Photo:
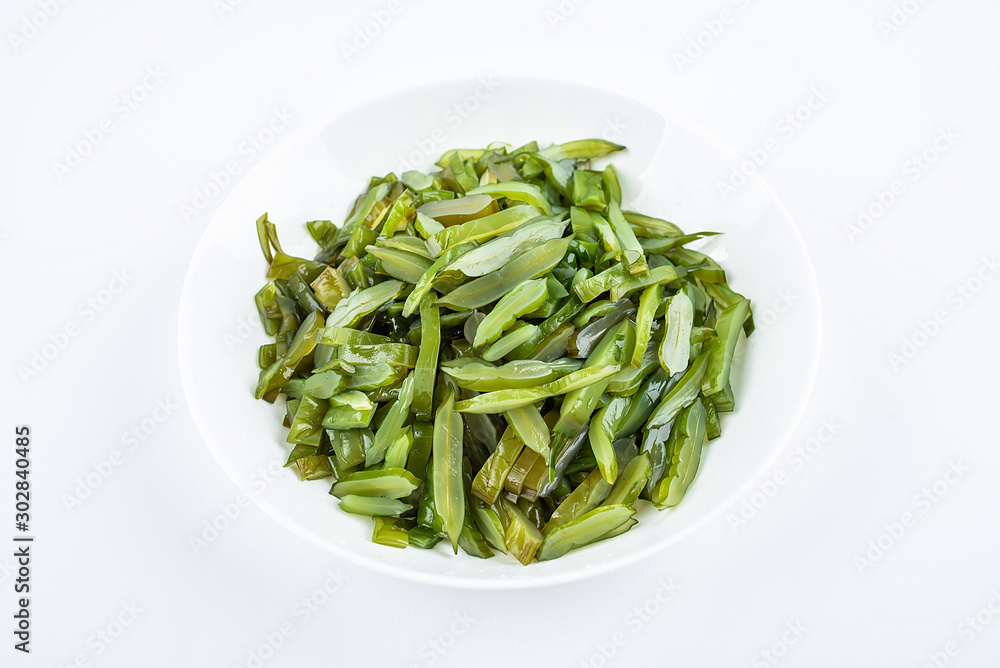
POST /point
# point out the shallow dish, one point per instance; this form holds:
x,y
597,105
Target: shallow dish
x,y
672,169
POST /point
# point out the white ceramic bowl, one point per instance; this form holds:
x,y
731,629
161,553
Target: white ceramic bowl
x,y
671,169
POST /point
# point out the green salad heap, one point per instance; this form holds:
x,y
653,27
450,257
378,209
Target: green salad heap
x,y
498,354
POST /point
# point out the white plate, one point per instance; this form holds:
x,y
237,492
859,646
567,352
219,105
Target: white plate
x,y
671,169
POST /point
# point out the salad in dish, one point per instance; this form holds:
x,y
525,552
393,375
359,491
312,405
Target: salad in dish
x,y
497,354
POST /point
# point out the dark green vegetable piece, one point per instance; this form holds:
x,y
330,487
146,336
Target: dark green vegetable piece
x,y
423,443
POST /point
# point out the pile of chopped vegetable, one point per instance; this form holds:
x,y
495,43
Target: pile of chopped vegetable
x,y
498,354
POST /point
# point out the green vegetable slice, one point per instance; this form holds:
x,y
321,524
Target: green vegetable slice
x,y
482,377
449,498
505,400
584,530
392,483
373,506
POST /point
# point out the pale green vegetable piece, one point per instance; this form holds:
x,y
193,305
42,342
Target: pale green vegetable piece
x,y
523,299
359,304
676,345
394,483
584,530
373,506
519,192
493,255
449,495
530,428
509,342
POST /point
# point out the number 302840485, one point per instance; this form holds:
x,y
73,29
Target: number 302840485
x,y
22,486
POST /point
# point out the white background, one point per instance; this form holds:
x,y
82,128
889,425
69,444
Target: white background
x,y
796,562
